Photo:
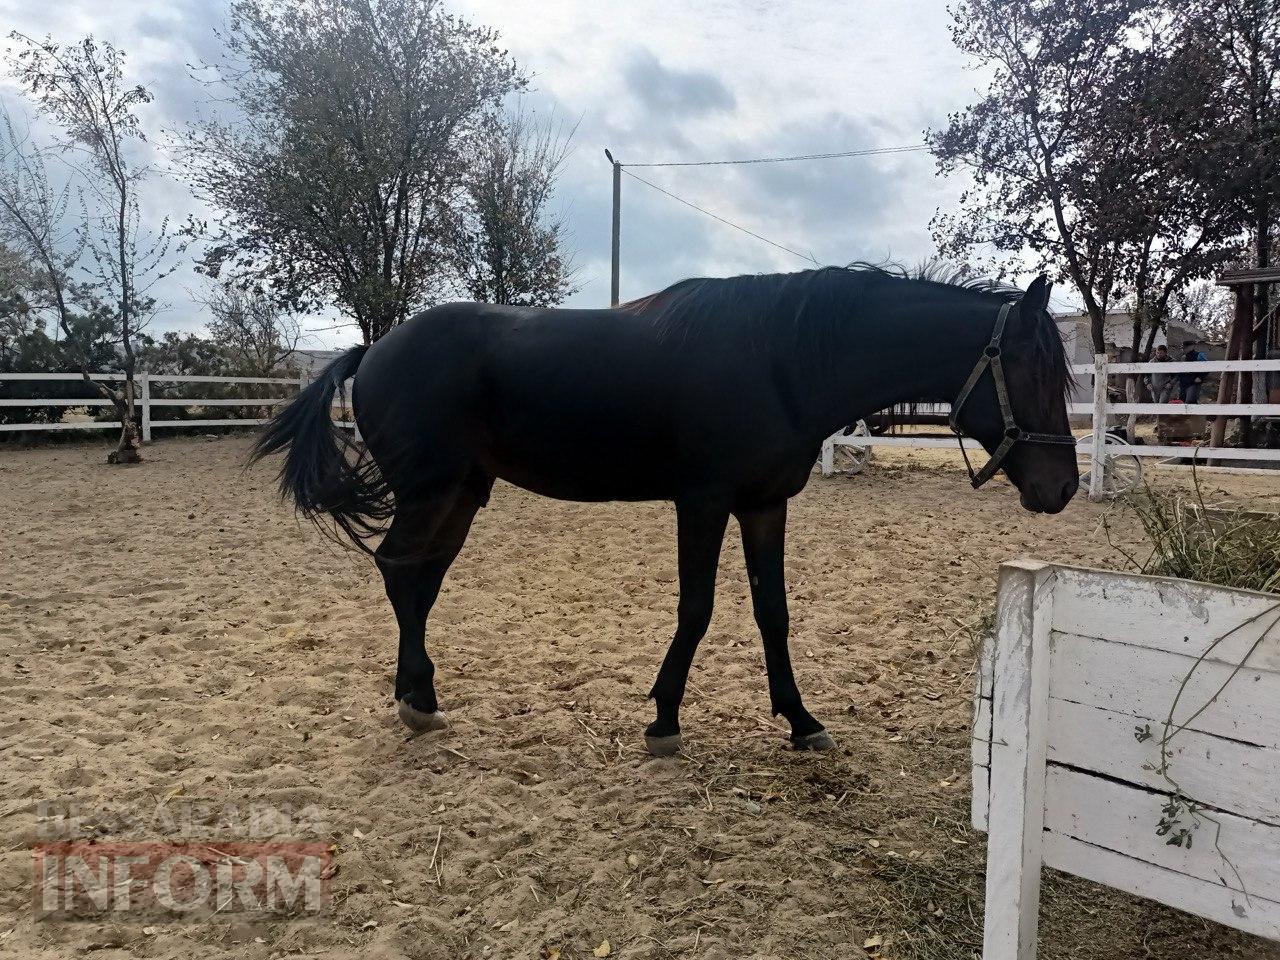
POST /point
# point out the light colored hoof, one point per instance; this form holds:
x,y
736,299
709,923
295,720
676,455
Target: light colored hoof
x,y
420,722
821,740
663,746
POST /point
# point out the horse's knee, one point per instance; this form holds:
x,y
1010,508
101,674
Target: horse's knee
x,y
693,618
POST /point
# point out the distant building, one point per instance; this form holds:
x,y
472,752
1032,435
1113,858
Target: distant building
x,y
1076,329
1117,333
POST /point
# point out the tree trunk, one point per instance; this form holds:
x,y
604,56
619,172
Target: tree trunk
x,y
129,448
1241,330
1097,328
1261,299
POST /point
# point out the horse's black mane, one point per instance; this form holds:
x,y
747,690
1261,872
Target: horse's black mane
x,y
773,304
942,273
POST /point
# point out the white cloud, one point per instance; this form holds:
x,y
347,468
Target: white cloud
x,y
657,80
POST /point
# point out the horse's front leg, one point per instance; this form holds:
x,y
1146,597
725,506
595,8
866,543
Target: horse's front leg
x,y
700,534
763,537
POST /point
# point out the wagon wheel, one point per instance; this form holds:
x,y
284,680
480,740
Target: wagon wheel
x,y
1124,469
852,459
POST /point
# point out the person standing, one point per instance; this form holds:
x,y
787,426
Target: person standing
x,y
1189,383
1162,384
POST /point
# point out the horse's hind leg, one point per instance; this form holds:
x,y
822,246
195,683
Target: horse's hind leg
x,y
701,532
414,556
763,533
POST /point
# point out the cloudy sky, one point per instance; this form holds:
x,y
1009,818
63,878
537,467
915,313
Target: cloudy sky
x,y
653,80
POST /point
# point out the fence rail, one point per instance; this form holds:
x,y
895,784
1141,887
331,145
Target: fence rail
x,y
1097,449
145,401
1101,409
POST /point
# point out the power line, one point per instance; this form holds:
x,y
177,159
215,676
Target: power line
x,y
875,152
715,216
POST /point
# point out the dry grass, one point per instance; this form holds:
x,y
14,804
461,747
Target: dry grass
x,y
1224,544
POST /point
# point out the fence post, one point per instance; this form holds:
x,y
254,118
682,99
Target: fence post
x,y
1098,449
1019,744
144,381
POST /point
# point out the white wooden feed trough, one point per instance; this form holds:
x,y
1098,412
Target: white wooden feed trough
x,y
1075,688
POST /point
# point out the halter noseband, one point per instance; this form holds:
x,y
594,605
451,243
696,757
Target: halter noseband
x,y
1012,432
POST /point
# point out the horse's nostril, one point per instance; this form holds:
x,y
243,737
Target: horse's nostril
x,y
1069,490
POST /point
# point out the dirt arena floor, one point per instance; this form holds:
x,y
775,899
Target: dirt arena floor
x,y
176,649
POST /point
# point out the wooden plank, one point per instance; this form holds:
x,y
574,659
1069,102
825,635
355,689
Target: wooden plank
x,y
980,799
985,668
1143,684
1019,711
1204,454
246,422
54,402
981,731
1188,366
1097,445
1202,468
980,742
1161,613
175,378
283,381
903,441
1151,451
1123,818
220,402
88,425
1212,901
1225,773
60,376
1200,409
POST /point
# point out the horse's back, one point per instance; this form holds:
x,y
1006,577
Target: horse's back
x,y
575,404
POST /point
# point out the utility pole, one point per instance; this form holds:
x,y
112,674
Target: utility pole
x,y
617,227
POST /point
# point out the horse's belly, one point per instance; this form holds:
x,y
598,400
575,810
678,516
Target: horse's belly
x,y
588,472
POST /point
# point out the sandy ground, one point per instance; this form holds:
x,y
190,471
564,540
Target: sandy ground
x,y
173,643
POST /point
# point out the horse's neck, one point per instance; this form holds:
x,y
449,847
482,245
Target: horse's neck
x,y
900,343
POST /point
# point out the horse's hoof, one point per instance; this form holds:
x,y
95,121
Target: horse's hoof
x,y
667,746
818,740
420,722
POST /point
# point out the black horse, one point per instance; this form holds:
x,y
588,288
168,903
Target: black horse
x,y
714,394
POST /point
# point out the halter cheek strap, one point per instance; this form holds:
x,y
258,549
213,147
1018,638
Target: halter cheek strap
x,y
991,358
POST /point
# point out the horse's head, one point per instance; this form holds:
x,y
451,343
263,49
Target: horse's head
x,y
1027,434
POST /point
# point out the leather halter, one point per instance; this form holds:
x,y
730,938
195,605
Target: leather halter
x,y
1012,432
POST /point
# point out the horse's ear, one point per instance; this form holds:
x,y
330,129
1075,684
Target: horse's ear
x,y
1036,298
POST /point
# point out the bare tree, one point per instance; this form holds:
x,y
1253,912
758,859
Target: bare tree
x,y
81,87
510,245
254,333
33,223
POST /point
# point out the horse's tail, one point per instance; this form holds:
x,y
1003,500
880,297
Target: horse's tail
x,y
325,470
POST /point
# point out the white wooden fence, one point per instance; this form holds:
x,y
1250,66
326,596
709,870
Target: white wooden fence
x,y
147,403
1114,711
1101,410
